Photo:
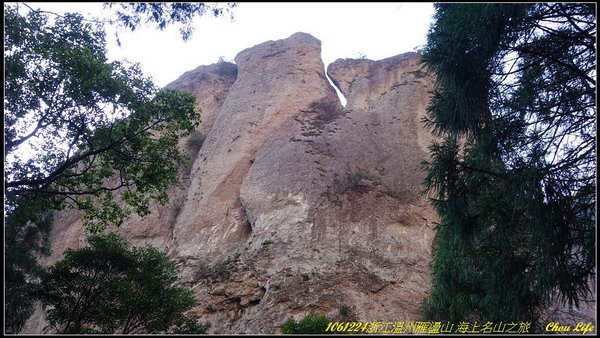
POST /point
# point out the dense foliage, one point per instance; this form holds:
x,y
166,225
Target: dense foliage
x,y
26,234
78,131
108,287
78,128
513,172
311,324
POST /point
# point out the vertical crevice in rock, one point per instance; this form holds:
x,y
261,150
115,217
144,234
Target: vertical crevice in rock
x,y
275,80
247,228
335,195
340,95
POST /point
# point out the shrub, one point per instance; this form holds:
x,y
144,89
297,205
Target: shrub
x,y
327,112
311,324
196,141
345,311
355,178
190,326
360,56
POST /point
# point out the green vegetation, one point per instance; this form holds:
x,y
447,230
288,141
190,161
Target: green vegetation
x,y
355,178
196,141
132,14
360,56
311,324
514,171
26,237
89,127
345,312
108,287
77,129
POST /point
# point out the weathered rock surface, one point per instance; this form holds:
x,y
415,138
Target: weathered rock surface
x,y
301,205
210,84
295,203
275,81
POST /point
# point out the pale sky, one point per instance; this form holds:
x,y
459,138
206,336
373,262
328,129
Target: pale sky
x,y
346,30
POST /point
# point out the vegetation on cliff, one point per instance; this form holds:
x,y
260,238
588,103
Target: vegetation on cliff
x,y
311,324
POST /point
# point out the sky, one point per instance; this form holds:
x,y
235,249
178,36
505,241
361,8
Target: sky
x,y
346,30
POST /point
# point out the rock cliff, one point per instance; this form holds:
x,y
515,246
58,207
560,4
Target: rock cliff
x,y
295,203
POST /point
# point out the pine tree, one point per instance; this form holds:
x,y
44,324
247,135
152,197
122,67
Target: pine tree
x,y
513,172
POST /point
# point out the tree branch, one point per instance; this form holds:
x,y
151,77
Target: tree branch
x,y
552,58
73,161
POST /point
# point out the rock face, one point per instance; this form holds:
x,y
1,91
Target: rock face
x,y
296,203
210,85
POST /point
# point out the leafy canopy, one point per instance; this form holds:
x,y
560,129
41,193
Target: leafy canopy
x,y
79,128
79,131
110,287
514,169
82,132
26,234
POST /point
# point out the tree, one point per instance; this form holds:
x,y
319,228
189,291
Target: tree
x,y
78,128
26,236
513,173
131,14
108,287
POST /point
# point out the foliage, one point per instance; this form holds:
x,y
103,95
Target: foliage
x,y
327,112
78,128
360,56
132,14
514,170
109,287
311,324
345,314
26,236
355,178
345,311
196,141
